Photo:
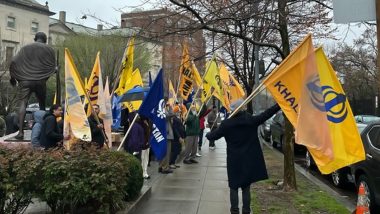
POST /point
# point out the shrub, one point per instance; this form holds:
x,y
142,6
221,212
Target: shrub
x,y
79,181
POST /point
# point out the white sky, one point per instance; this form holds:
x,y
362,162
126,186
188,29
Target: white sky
x,y
110,12
107,10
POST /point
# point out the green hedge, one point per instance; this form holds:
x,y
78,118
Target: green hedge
x,y
84,180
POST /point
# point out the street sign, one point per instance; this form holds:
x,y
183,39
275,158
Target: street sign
x,y
346,11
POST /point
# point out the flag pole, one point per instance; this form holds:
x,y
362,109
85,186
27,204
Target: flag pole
x,y
126,134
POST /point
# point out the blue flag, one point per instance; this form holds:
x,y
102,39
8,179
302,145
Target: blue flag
x,y
153,107
116,112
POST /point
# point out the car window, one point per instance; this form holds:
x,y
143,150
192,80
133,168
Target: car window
x,y
374,136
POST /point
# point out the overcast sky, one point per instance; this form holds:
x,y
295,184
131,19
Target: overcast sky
x,y
110,12
107,10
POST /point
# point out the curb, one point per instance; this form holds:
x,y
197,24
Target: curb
x,y
146,191
351,207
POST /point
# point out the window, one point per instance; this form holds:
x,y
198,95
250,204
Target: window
x,y
11,22
8,55
34,27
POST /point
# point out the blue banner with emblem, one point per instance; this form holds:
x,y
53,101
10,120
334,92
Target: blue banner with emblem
x,y
153,107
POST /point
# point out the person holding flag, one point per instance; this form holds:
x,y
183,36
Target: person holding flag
x,y
245,160
97,129
192,133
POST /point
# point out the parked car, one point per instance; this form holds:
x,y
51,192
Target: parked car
x,y
277,130
366,118
265,129
366,172
277,133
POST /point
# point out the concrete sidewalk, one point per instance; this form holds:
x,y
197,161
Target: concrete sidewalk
x,y
192,189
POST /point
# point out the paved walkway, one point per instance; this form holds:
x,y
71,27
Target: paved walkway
x,y
192,189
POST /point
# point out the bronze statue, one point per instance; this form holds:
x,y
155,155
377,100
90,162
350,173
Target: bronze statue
x,y
30,69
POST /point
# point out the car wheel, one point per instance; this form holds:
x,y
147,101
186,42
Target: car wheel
x,y
272,142
369,195
339,178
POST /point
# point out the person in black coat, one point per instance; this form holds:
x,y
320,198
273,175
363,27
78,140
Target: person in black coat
x,y
245,160
97,130
50,135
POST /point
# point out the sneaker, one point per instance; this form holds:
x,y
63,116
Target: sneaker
x,y
198,155
212,147
177,166
146,177
172,167
187,162
193,161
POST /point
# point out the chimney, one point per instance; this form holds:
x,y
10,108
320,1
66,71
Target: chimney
x,y
62,16
99,27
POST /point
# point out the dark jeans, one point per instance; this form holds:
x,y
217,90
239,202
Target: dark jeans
x,y
200,140
175,150
234,200
212,142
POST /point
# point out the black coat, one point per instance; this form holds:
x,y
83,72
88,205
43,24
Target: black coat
x,y
96,132
50,134
245,160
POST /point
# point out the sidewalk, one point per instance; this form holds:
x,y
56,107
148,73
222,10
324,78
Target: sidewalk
x,y
192,189
203,188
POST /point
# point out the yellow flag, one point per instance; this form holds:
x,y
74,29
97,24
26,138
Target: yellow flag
x,y
225,82
186,74
294,85
347,143
212,76
197,78
127,67
93,84
75,123
236,91
134,81
172,95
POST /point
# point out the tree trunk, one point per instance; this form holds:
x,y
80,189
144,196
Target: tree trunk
x,y
288,146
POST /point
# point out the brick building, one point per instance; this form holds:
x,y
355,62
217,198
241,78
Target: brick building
x,y
170,29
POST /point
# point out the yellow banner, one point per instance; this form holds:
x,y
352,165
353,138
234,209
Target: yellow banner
x,y
347,143
92,86
186,82
172,95
127,67
294,86
76,123
236,91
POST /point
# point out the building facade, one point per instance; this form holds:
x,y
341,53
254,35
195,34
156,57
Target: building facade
x,y
170,29
20,20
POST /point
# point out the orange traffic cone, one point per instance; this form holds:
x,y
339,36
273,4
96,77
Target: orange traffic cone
x,y
362,206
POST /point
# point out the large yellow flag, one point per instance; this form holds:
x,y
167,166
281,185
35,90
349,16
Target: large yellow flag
x,y
347,143
236,91
127,67
106,113
93,85
212,76
133,82
225,82
186,74
75,123
172,95
294,86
